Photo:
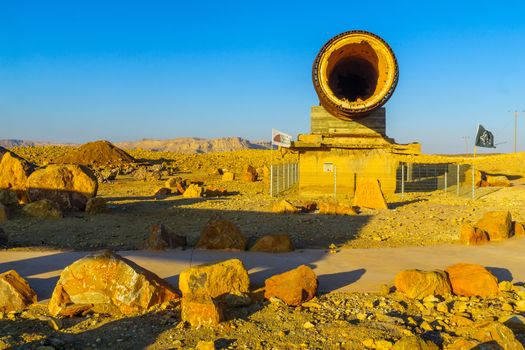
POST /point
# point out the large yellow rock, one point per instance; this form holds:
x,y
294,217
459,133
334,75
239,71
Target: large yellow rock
x,y
419,284
414,343
495,332
70,186
519,229
219,279
14,172
472,280
15,292
221,234
498,181
368,194
193,191
279,243
471,235
43,209
284,207
200,310
335,209
293,287
108,281
497,224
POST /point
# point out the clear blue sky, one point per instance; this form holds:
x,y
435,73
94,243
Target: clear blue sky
x,y
74,71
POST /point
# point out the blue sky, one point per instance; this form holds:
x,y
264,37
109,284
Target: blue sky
x,y
74,71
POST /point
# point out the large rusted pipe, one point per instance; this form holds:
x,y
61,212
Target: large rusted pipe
x,y
354,73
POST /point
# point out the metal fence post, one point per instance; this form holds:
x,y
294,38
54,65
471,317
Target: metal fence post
x,y
271,180
446,177
277,176
457,180
473,180
402,180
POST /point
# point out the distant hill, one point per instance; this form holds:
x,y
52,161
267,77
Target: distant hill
x,y
193,145
9,143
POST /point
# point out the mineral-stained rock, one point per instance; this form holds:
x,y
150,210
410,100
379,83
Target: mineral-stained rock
x,y
219,279
472,280
96,205
279,243
200,310
43,209
335,209
419,284
14,172
69,185
284,207
498,181
193,191
8,197
293,287
249,174
4,213
497,332
368,194
107,279
414,343
228,176
497,224
15,292
519,229
221,234
471,235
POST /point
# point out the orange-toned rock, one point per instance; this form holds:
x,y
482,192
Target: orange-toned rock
x,y
498,181
220,279
495,332
96,205
221,234
193,191
519,228
293,287
472,280
70,186
420,284
107,280
155,240
14,172
200,310
284,207
249,174
368,194
471,235
15,292
212,191
497,224
336,209
172,182
228,176
279,243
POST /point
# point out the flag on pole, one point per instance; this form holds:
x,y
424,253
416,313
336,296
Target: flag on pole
x,y
279,138
484,138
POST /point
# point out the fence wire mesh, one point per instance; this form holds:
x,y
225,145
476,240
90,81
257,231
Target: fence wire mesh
x,y
283,177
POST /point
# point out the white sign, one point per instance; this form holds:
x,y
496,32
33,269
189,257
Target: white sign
x,y
281,139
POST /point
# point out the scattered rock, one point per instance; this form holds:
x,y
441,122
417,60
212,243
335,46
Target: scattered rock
x,y
284,207
14,172
498,181
110,281
293,287
336,209
15,292
8,198
43,209
97,153
519,228
497,224
215,191
471,235
472,280
368,194
414,343
221,234
420,284
205,345
155,240
279,243
228,176
193,191
218,280
310,207
4,213
70,186
163,191
96,205
249,174
200,310
172,182
497,332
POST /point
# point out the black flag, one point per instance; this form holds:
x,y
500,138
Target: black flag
x,y
484,138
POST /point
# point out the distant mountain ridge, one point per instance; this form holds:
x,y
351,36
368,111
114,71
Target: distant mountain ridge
x,y
177,145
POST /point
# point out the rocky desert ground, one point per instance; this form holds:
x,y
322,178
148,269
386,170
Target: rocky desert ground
x,y
141,207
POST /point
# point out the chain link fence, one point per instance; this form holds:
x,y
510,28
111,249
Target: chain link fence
x,y
283,177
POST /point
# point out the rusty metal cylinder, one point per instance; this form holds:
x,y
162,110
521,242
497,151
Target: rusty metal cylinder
x,y
354,74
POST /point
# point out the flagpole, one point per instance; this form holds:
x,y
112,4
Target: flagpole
x,y
271,167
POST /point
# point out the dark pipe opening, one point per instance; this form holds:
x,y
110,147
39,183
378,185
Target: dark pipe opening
x,y
353,78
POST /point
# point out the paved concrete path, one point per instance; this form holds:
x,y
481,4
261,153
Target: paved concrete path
x,y
347,270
